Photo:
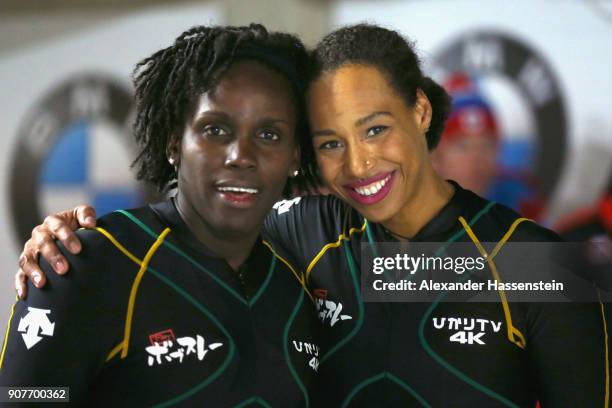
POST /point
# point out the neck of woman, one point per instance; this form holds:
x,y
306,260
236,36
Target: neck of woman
x,y
428,198
233,247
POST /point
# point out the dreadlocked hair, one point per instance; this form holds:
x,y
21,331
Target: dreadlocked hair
x,y
394,56
168,83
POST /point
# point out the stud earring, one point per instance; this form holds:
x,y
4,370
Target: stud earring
x,y
173,163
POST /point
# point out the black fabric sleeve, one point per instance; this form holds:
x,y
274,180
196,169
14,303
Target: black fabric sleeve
x,y
300,227
61,334
568,347
568,343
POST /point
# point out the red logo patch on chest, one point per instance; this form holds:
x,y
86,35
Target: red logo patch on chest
x,y
160,337
320,293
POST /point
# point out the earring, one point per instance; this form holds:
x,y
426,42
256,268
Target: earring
x,y
173,163
296,173
367,163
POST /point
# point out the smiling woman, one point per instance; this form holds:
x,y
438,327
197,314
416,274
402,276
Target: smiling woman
x,y
178,301
371,148
375,118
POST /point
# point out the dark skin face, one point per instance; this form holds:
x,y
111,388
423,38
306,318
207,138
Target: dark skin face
x,y
234,157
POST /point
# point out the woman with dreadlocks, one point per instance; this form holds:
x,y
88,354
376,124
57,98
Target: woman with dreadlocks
x,y
182,301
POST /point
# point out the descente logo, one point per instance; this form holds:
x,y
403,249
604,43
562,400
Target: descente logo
x,y
35,322
284,206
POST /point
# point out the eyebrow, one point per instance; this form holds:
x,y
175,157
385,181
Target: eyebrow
x,y
323,132
224,115
200,114
371,116
359,122
273,120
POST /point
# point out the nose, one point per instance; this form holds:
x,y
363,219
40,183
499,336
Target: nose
x,y
240,154
359,160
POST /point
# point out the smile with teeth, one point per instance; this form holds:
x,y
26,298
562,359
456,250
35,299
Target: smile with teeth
x,y
373,188
238,190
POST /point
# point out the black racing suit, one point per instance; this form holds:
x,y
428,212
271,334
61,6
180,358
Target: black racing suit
x,y
147,316
403,354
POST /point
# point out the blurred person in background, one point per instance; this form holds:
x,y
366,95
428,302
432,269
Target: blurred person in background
x,y
470,146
